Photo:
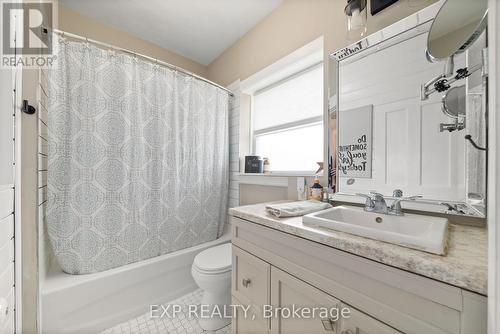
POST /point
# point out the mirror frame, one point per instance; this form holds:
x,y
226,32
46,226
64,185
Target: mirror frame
x,y
472,38
415,24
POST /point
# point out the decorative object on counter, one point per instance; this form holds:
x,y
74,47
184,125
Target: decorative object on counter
x,y
316,191
356,19
296,209
254,164
267,166
301,189
354,154
326,197
379,5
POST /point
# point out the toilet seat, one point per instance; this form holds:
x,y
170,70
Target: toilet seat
x,y
214,260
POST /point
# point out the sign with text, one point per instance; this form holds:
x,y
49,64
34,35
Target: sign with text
x,y
26,33
354,152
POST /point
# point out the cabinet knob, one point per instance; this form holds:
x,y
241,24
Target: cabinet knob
x,y
347,331
246,282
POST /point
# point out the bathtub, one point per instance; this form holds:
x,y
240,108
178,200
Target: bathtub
x,y
91,303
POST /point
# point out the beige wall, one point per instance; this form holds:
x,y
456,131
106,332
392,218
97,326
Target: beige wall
x,y
289,27
76,23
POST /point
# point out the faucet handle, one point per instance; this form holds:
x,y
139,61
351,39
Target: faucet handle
x,y
376,194
408,198
397,193
396,205
369,201
412,198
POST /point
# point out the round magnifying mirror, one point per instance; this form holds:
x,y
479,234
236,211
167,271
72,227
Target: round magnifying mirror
x,y
454,102
456,26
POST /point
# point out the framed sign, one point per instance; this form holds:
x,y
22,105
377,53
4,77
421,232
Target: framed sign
x,y
354,150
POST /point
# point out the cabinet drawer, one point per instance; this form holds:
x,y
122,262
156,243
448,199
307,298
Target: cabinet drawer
x,y
289,292
248,322
251,278
360,323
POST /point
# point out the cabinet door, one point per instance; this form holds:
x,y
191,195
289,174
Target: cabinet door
x,y
287,292
360,323
247,321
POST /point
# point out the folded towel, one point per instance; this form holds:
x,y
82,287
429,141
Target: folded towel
x,y
295,209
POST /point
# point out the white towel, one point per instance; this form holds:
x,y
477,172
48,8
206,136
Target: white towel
x,y
295,209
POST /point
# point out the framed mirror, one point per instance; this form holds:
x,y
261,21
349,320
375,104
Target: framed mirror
x,y
384,137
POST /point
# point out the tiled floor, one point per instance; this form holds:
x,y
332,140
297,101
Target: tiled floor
x,y
181,324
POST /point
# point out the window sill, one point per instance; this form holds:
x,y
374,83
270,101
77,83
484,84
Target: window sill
x,y
284,174
271,179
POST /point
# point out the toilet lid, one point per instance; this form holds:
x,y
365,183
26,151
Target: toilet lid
x,y
214,259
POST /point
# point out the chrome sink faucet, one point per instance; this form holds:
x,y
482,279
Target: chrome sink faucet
x,y
375,202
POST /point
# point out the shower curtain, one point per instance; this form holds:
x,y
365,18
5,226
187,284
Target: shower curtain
x,y
138,159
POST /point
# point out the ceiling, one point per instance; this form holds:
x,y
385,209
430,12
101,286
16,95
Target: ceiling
x,y
197,29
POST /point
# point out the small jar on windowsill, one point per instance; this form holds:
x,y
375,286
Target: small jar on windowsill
x,y
267,166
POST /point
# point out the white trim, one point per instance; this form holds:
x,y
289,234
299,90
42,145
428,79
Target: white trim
x,y
263,180
234,86
493,169
306,56
316,120
18,265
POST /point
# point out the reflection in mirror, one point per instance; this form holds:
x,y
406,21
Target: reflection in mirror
x,y
404,144
454,106
454,102
457,25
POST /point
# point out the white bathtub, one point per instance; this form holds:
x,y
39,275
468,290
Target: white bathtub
x,y
91,303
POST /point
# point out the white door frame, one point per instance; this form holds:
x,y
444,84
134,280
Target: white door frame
x,y
494,169
17,76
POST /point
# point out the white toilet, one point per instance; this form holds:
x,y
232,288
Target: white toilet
x,y
211,270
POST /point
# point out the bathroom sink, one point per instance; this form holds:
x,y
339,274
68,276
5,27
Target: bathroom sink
x,y
424,233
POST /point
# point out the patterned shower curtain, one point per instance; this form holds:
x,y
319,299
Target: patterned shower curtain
x,y
138,159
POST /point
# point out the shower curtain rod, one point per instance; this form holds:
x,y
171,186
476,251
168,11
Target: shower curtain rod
x,y
109,46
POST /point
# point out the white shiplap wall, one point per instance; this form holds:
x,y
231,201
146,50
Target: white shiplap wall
x,y
7,292
46,254
7,242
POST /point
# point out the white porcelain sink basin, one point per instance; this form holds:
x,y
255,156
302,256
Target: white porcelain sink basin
x,y
413,231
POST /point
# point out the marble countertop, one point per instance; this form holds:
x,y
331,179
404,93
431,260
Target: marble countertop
x,y
464,266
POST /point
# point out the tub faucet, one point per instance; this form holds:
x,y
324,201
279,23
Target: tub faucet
x,y
375,202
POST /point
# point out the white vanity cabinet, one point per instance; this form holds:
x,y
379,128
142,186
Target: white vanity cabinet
x,y
275,268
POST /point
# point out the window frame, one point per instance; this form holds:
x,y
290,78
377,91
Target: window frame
x,y
315,120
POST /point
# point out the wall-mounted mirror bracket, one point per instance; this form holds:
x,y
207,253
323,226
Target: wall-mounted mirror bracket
x,y
441,83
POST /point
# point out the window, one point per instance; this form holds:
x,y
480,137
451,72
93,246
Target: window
x,y
287,119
